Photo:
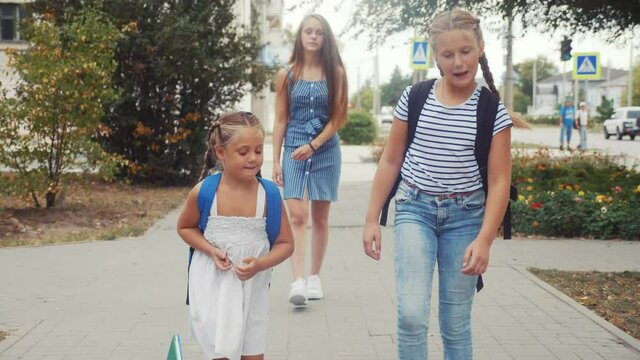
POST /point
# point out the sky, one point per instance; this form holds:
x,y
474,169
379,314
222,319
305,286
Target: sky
x,y
358,59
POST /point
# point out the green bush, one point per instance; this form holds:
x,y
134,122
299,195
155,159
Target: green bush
x,y
359,130
582,195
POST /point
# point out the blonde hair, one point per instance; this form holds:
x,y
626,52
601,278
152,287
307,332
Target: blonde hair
x,y
458,19
223,132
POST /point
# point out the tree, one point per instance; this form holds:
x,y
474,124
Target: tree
x,y
390,92
521,101
363,99
635,93
605,109
523,92
179,65
64,82
574,16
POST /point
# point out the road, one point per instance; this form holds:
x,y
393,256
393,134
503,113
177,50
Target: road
x,y
550,136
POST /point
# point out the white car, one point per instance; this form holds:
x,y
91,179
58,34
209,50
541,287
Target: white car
x,y
624,121
386,116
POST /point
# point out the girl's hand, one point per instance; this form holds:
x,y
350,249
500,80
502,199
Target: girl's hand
x,y
372,240
476,258
221,259
246,272
277,174
302,153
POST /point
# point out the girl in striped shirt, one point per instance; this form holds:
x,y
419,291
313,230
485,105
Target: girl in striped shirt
x,y
442,212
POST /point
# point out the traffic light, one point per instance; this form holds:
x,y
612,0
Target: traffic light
x,y
565,49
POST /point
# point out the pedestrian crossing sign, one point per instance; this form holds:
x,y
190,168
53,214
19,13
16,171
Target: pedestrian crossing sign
x,y
419,54
586,66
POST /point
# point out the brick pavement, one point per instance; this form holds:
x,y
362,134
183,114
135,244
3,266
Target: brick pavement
x,y
124,299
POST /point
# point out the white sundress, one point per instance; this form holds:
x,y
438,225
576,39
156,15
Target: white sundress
x,y
227,316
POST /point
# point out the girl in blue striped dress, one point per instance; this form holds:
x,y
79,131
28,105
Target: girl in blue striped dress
x,y
442,213
311,106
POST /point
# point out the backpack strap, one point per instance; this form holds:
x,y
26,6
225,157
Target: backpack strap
x,y
206,194
485,121
487,111
274,209
417,98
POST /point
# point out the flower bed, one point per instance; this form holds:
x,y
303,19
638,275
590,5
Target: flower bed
x,y
581,195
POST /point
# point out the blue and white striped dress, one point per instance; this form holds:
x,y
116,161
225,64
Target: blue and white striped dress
x,y
308,115
441,157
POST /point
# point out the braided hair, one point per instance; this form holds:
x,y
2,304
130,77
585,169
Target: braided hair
x,y
222,132
458,19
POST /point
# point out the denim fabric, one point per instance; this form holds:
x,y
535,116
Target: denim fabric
x,y
565,131
583,137
430,229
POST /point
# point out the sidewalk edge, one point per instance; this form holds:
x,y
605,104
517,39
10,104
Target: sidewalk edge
x,y
623,336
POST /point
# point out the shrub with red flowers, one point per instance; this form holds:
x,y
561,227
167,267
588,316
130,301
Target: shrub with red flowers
x,y
581,195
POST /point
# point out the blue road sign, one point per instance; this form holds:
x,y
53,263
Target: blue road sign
x,y
586,66
419,54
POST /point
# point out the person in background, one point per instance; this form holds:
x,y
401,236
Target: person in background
x,y
311,105
567,117
582,120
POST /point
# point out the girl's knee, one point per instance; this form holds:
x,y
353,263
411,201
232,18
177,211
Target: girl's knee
x,y
299,217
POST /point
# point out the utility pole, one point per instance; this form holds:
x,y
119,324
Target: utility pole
x,y
376,87
535,85
508,83
630,81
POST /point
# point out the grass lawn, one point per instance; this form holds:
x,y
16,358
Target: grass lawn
x,y
91,210
613,296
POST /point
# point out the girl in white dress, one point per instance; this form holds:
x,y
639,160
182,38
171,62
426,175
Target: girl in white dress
x,y
230,269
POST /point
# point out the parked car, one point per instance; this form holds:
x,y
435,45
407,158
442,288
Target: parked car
x,y
624,121
386,116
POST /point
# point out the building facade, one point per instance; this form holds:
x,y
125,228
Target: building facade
x,y
552,91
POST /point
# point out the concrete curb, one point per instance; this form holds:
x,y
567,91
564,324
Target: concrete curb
x,y
623,336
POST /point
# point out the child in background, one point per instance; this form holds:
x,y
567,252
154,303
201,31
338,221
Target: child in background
x,y
232,256
442,213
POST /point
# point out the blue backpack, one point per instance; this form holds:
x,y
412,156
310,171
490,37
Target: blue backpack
x,y
207,193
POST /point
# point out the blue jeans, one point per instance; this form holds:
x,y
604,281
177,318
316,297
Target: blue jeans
x,y
430,228
583,137
565,131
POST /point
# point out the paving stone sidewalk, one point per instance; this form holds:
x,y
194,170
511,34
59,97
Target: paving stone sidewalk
x,y
125,299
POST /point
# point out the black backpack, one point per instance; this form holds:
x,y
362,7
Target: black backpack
x,y
486,117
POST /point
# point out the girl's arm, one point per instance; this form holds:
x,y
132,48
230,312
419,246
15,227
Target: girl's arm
x,y
281,250
476,258
386,174
190,232
304,152
280,125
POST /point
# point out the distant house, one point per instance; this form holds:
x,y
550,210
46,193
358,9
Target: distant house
x,y
552,91
11,13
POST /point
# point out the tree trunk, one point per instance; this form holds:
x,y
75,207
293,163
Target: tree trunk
x,y
51,199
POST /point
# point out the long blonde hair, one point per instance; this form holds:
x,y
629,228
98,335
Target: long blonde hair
x,y
458,19
331,62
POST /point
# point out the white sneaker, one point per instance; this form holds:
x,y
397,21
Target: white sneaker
x,y
298,293
314,288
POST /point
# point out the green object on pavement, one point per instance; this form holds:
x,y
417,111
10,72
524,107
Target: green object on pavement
x,y
175,349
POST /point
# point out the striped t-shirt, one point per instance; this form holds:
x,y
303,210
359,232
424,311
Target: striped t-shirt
x,y
441,157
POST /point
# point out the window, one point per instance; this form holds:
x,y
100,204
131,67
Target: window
x,y
633,115
9,20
